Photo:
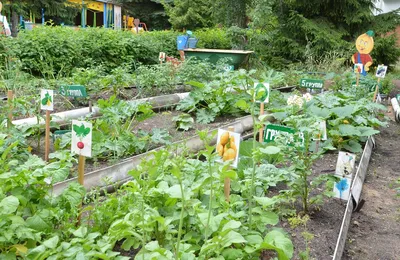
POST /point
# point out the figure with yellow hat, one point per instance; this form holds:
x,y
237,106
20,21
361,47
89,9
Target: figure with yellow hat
x,y
4,27
364,45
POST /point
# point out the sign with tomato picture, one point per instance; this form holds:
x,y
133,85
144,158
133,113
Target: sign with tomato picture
x,y
47,99
81,138
228,146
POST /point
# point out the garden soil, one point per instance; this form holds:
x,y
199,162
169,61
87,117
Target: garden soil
x,y
375,230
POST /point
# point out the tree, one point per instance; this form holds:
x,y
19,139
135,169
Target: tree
x,y
151,12
60,8
189,14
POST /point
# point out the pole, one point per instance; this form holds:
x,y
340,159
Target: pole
x,y
47,137
81,178
227,181
10,96
376,90
81,169
357,79
261,131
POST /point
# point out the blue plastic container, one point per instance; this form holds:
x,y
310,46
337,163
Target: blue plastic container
x,y
192,42
181,42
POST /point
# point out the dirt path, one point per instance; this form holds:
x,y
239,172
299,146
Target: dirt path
x,y
375,230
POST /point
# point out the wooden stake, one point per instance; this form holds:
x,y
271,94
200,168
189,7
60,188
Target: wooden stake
x,y
81,169
81,179
90,106
317,143
10,97
357,79
47,137
227,181
376,90
261,131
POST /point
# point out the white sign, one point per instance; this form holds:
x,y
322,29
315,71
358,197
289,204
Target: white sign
x,y
321,128
381,71
261,92
342,188
81,138
228,146
161,56
358,68
345,165
47,99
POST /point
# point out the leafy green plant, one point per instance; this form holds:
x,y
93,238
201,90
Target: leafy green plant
x,y
183,121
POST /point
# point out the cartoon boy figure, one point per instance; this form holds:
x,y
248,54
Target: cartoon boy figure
x,y
364,45
4,27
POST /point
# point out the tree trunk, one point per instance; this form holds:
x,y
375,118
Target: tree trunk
x,y
14,21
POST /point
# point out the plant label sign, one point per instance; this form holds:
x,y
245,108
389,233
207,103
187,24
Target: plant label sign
x,y
312,83
81,138
345,165
358,68
342,188
321,131
381,71
75,91
261,92
272,131
228,146
47,99
161,56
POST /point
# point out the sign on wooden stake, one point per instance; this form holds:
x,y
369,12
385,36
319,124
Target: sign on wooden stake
x,y
261,95
81,138
47,104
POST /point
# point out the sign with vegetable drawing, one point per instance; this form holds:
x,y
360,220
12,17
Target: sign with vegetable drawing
x,y
228,146
342,188
161,56
358,68
47,99
81,138
261,92
364,45
381,71
321,131
311,83
345,165
73,91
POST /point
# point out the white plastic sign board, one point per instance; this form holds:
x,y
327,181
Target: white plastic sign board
x,y
226,142
381,71
358,68
81,138
345,165
161,56
342,188
47,99
261,92
321,128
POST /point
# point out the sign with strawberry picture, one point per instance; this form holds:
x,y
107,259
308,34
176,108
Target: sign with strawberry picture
x,y
47,99
81,138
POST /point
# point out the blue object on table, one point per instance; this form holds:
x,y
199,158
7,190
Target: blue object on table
x,y
191,43
181,42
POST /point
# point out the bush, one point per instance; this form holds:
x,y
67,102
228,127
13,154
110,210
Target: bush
x,y
386,51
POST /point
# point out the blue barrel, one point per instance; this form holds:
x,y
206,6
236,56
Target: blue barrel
x,y
181,42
